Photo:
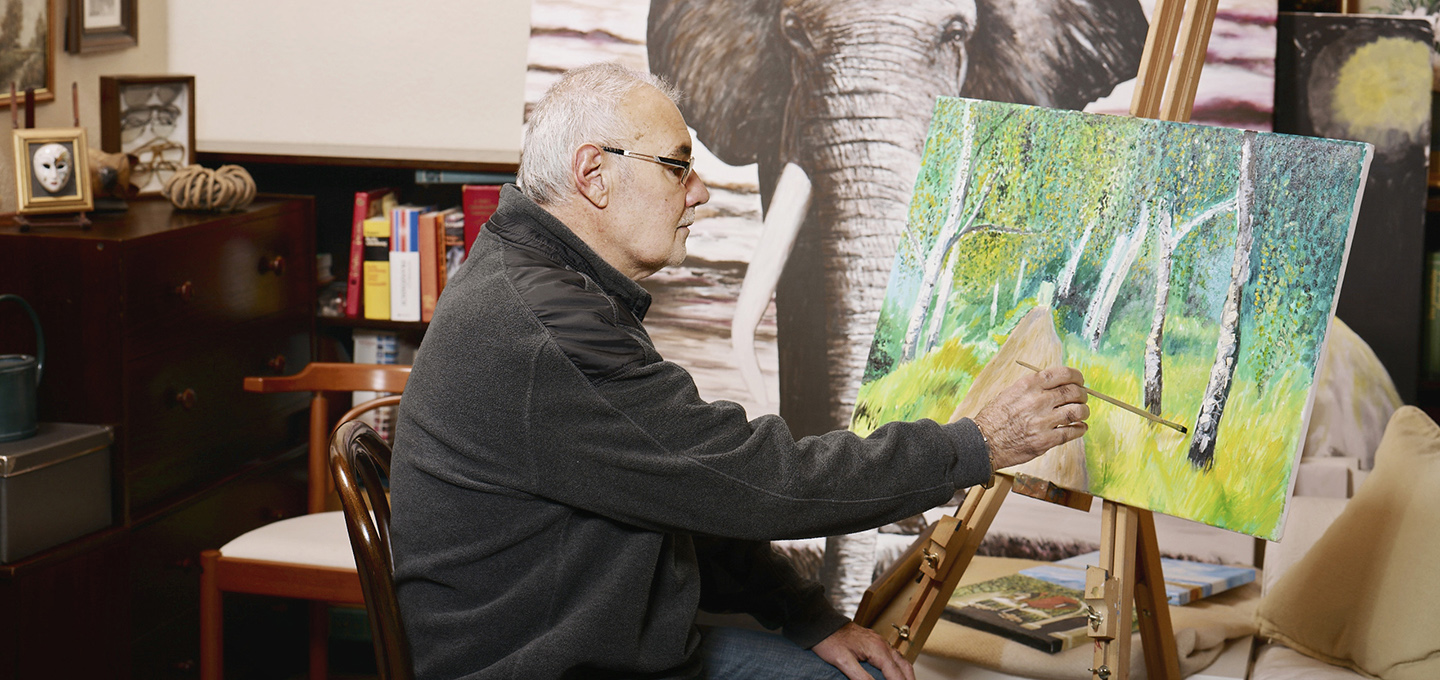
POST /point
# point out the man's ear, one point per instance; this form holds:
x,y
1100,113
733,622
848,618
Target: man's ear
x,y
589,179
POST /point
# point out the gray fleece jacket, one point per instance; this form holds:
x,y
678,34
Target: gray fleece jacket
x,y
564,501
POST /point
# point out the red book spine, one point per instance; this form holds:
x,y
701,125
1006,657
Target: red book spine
x,y
357,254
479,202
367,204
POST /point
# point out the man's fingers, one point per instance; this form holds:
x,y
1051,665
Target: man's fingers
x,y
890,663
852,670
1071,414
1056,376
1069,393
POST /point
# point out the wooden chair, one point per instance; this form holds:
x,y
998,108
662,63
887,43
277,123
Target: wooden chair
x,y
359,458
306,557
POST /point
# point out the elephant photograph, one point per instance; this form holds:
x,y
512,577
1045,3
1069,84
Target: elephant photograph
x,y
810,117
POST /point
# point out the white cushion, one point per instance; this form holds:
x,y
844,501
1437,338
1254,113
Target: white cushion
x,y
318,540
1278,662
1305,522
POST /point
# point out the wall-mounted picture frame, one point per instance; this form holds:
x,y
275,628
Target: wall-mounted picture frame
x,y
27,58
51,171
95,25
152,118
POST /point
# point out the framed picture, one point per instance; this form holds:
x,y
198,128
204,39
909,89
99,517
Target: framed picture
x,y
51,174
95,25
28,58
152,118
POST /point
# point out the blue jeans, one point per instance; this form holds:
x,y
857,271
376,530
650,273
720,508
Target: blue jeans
x,y
742,654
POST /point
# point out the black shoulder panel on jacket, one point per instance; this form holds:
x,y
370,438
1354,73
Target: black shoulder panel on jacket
x,y
583,321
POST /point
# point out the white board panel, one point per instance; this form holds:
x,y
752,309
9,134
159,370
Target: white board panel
x,y
419,80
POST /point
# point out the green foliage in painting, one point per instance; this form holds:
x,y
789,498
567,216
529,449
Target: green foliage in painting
x,y
1089,215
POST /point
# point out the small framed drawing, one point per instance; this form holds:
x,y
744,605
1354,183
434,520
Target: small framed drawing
x,y
152,118
50,171
95,25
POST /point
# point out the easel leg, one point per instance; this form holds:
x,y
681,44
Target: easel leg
x,y
907,600
1157,635
1110,588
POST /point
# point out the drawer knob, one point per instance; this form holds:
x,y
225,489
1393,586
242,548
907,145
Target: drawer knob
x,y
277,363
185,291
184,665
186,565
273,264
186,398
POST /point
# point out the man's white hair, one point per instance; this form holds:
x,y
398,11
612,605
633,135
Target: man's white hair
x,y
582,107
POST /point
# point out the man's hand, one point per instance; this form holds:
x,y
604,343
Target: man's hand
x,y
1037,413
847,647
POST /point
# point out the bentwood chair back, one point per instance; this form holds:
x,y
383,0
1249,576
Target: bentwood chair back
x,y
359,460
306,557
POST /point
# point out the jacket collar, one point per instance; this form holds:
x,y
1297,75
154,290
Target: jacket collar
x,y
522,221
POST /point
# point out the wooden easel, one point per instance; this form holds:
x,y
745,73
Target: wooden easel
x,y
904,604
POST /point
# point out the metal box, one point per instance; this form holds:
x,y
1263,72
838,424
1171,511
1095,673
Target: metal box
x,y
54,486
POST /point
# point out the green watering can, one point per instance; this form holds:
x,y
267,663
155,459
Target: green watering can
x,y
19,378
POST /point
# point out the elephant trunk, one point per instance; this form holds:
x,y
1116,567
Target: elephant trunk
x,y
834,283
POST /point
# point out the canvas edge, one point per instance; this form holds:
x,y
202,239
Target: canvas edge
x,y
1279,530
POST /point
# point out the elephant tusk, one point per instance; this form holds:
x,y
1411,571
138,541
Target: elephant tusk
x,y
790,203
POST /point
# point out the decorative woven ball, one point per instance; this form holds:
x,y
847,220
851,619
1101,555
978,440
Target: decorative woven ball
x,y
199,188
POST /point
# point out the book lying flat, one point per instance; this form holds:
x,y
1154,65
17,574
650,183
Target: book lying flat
x,y
1035,613
1185,581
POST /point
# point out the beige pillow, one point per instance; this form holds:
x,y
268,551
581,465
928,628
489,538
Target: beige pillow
x,y
1366,595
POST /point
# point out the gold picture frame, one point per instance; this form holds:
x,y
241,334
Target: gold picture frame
x,y
37,148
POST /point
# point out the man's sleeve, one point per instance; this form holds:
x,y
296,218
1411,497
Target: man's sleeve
x,y
739,576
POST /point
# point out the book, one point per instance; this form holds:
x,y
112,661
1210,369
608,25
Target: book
x,y
367,204
379,347
444,265
1185,581
432,262
454,242
405,263
1035,613
376,301
478,202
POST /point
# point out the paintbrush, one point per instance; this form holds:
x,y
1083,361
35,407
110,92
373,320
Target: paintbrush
x,y
1133,409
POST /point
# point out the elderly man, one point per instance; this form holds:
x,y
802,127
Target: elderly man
x,y
564,500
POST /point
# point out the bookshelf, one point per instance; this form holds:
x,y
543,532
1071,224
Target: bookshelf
x,y
333,181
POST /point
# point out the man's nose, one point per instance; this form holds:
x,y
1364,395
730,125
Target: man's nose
x,y
696,193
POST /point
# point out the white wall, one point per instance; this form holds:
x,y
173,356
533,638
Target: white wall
x,y
420,79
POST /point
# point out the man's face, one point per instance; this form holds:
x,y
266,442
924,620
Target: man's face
x,y
654,210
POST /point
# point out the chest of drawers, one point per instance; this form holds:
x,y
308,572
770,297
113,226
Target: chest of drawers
x,y
152,318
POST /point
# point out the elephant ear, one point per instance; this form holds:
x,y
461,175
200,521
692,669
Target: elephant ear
x,y
1056,53
723,55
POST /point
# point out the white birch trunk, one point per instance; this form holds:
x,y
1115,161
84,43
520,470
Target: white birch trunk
x,y
949,233
1019,279
1067,276
1154,378
1166,242
1117,267
994,303
942,303
1227,346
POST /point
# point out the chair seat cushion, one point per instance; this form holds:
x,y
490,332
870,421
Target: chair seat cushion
x,y
318,539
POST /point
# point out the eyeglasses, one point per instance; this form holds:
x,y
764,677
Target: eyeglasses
x,y
160,160
149,106
684,167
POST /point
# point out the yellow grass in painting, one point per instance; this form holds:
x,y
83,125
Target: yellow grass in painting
x,y
1130,459
929,387
1134,461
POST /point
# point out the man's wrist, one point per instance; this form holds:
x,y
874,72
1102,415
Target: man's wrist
x,y
989,455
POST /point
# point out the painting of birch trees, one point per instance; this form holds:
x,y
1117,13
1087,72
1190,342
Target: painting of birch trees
x,y
1189,270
